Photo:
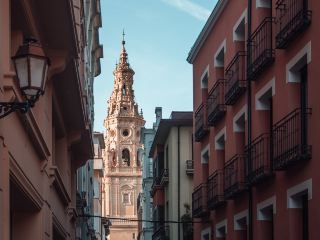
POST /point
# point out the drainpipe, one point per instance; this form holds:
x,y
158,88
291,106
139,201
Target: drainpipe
x,y
179,183
249,104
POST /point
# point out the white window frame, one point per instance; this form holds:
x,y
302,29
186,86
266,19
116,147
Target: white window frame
x,y
219,225
219,135
205,150
302,58
270,202
205,232
293,193
242,111
238,217
222,47
269,85
205,74
243,17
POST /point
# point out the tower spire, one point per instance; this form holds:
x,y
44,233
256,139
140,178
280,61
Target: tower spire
x,y
123,55
123,41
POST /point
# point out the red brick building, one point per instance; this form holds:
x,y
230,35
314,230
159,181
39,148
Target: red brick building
x,y
256,116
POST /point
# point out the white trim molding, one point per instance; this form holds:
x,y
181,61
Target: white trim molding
x,y
266,204
242,111
238,217
302,58
205,150
219,225
242,18
205,72
206,231
294,193
223,46
218,136
260,105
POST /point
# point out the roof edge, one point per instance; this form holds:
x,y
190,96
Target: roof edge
x,y
206,30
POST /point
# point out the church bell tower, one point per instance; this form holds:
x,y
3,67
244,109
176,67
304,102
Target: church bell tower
x,y
123,176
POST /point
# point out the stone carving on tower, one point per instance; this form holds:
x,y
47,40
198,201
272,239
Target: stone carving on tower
x,y
123,176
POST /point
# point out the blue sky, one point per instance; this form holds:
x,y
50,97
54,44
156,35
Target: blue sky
x,y
159,35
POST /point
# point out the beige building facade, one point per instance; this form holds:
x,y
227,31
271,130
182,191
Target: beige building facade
x,y
123,175
172,186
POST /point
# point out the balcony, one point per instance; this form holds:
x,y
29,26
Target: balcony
x,y
293,17
164,177
236,78
163,233
189,167
234,176
199,201
258,162
216,108
290,139
215,190
99,166
201,128
155,185
261,48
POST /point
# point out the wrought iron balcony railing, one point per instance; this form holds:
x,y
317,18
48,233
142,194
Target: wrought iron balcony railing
x,y
199,201
201,128
215,104
189,167
290,139
164,177
236,78
258,165
261,49
293,17
163,233
215,189
234,176
155,185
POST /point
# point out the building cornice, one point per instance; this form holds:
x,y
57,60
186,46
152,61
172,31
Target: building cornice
x,y
214,16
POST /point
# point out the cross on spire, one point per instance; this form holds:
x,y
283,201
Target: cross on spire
x,y
123,34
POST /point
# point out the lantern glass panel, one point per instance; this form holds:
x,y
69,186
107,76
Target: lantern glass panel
x,y
37,71
22,71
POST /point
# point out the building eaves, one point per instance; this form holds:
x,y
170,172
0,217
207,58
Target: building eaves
x,y
163,130
214,16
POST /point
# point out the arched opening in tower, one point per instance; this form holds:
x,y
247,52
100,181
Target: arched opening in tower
x,y
126,156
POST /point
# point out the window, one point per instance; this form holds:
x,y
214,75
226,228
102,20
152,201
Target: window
x,y
221,229
298,199
220,139
125,132
205,234
125,198
205,155
239,28
124,91
266,211
219,55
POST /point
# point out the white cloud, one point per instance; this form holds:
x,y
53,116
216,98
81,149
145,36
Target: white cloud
x,y
191,8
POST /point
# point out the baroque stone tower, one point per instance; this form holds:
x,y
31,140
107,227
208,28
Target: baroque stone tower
x,y
123,176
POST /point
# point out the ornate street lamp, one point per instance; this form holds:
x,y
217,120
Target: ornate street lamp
x,y
31,66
